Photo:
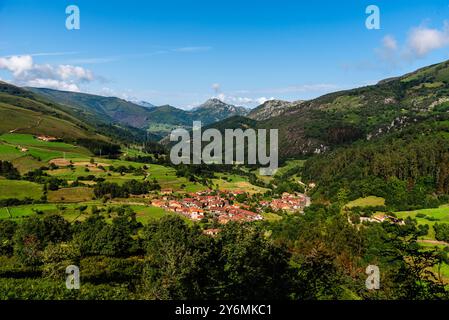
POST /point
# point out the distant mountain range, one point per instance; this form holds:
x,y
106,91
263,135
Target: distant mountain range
x,y
305,127
159,120
362,114
165,118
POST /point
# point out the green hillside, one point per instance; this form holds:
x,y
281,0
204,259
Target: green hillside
x,y
30,112
401,149
365,113
106,109
158,120
24,112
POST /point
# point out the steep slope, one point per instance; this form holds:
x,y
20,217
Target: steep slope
x,y
24,112
408,168
107,109
214,110
402,152
362,114
270,109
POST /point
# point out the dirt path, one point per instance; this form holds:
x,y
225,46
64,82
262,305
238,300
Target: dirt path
x,y
38,123
436,242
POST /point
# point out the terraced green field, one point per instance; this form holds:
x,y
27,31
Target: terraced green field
x,y
68,195
23,149
19,189
27,153
71,212
8,152
27,163
43,149
29,140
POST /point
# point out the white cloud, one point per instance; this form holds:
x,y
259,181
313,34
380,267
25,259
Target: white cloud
x,y
53,84
16,64
64,77
252,98
67,72
262,100
216,87
420,42
423,40
245,101
390,43
389,49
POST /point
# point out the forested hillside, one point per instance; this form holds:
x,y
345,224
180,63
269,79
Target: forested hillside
x,y
410,169
366,113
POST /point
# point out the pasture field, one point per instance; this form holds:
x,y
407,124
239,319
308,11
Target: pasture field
x,y
165,176
71,212
8,152
24,120
437,215
444,271
271,217
39,153
19,189
144,214
28,153
68,195
27,163
290,164
31,141
371,201
232,182
33,209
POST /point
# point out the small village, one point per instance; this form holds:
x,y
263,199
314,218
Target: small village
x,y
224,205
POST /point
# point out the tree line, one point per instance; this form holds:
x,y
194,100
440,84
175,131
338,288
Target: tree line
x,y
318,255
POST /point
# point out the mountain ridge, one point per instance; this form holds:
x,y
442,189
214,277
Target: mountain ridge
x,y
344,117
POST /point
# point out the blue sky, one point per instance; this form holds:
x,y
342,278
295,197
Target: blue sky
x,y
184,52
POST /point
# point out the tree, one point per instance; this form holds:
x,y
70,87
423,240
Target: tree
x,y
441,232
252,266
57,257
96,237
177,260
318,276
8,171
34,234
413,276
7,230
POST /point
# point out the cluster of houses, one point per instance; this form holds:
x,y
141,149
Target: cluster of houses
x,y
198,204
48,138
288,202
224,206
